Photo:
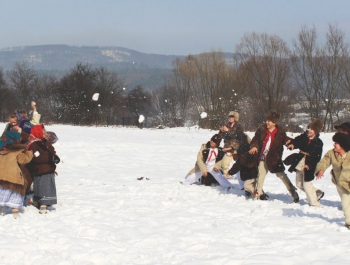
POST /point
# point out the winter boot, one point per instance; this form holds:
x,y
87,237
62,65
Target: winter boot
x,y
264,197
319,194
247,194
42,209
294,194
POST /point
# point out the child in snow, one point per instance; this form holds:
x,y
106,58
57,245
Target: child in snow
x,y
339,159
13,183
206,167
304,163
268,143
26,124
12,125
43,167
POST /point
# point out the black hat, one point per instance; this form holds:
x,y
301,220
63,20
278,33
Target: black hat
x,y
216,139
345,126
343,140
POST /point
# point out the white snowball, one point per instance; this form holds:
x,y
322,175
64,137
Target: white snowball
x,y
95,96
141,118
37,153
204,115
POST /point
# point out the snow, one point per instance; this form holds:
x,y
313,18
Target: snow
x,y
95,96
105,215
204,115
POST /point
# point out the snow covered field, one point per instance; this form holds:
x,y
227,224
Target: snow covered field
x,y
105,215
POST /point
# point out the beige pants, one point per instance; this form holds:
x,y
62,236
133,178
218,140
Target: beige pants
x,y
345,202
262,172
249,185
225,164
307,187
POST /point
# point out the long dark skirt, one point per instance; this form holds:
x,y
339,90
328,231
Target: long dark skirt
x,y
45,189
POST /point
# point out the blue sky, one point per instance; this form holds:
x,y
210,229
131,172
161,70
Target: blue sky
x,y
178,27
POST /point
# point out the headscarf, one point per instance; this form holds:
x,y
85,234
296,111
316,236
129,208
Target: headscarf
x,y
36,134
10,137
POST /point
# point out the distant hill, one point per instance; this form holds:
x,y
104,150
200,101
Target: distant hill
x,y
135,67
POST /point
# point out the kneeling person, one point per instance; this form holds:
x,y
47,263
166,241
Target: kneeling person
x,y
208,162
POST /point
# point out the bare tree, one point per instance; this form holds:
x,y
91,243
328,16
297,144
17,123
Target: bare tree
x,y
22,78
266,70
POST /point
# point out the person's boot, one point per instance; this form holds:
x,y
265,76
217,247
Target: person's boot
x,y
319,194
294,194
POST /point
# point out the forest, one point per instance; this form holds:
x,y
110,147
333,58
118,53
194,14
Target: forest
x,y
306,80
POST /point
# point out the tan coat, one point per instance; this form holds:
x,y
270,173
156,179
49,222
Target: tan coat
x,y
200,164
341,168
10,172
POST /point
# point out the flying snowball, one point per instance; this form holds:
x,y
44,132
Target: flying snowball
x,y
99,105
37,153
141,118
204,115
123,88
95,96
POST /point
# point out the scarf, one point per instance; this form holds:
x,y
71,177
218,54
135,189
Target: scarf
x,y
268,135
9,138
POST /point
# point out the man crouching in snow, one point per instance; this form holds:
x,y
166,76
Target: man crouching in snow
x,y
207,165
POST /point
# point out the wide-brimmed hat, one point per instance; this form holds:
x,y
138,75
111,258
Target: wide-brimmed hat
x,y
345,126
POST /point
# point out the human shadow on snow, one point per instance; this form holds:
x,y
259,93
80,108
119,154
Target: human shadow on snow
x,y
301,213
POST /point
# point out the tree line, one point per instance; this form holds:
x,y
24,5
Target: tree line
x,y
309,80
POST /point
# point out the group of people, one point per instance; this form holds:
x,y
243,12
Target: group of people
x,y
251,160
27,164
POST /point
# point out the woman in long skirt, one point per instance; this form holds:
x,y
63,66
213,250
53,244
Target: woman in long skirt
x,y
43,167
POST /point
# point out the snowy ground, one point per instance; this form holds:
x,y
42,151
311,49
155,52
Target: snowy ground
x,y
106,216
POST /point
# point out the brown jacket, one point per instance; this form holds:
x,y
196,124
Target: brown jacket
x,y
274,156
43,163
11,176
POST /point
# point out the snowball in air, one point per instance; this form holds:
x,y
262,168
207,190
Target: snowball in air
x,y
204,115
95,96
123,88
141,118
37,153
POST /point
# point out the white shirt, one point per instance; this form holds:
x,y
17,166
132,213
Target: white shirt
x,y
213,153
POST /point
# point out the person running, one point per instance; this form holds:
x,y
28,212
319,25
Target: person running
x,y
339,159
268,143
304,163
